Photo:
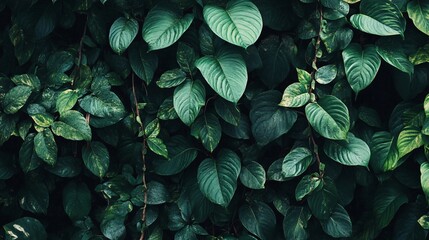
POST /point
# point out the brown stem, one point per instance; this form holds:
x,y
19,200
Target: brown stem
x,y
80,49
143,152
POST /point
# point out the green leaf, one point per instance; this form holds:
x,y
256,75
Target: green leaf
x,y
393,54
7,126
338,225
25,228
157,146
166,110
96,158
379,17
239,23
188,99
259,219
295,95
66,167
307,185
296,162
157,194
384,153
153,128
76,200
421,56
424,178
112,223
350,152
336,35
46,147
252,175
43,119
225,72
388,199
164,25
104,104
418,11
217,178
270,121
186,57
228,111
60,62
66,100
143,63
361,65
275,64
72,126
326,74
28,159
29,80
323,201
122,33
15,99
295,223
409,138
171,78
329,117
34,197
424,222
304,77
208,129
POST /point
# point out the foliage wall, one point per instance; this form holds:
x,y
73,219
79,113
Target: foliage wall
x,y
202,119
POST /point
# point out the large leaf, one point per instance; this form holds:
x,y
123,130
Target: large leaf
x,y
295,223
225,72
296,162
384,153
361,65
188,99
252,175
72,126
239,23
228,111
270,121
164,25
418,11
25,228
351,152
409,139
96,158
379,17
105,104
45,146
329,116
66,100
393,54
217,178
259,219
338,225
122,33
142,62
76,200
16,98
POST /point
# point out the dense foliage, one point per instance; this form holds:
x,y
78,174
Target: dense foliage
x,y
203,119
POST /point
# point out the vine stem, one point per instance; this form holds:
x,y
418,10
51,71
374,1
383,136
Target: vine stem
x,y
80,49
143,152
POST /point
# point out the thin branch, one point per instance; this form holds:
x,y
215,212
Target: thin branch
x,y
80,49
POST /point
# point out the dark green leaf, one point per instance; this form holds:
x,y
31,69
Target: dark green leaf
x,y
296,162
122,33
157,146
72,126
142,62
171,78
351,152
295,223
96,158
16,98
188,99
259,219
25,228
46,147
252,175
338,224
76,200
323,201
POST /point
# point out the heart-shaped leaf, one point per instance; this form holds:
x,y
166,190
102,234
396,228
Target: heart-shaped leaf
x,y
122,33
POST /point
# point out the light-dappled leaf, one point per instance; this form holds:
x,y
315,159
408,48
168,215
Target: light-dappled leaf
x,y
25,228
164,25
361,65
252,175
409,139
208,129
384,153
45,146
351,152
295,95
225,72
239,23
72,126
270,121
326,74
420,56
217,177
188,99
329,116
105,104
259,219
296,162
96,158
171,78
29,80
418,11
424,178
338,225
66,100
16,98
393,54
122,33
379,17
307,185
157,146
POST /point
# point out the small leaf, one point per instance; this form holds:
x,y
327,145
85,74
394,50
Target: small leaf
x,y
188,99
350,152
307,185
424,178
326,74
252,175
296,162
96,158
228,111
409,139
259,219
112,224
295,95
186,57
217,178
420,56
164,25
323,201
72,126
329,116
361,65
295,223
424,222
157,146
208,129
171,78
239,23
46,147
15,99
152,129
225,72
122,33
43,119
